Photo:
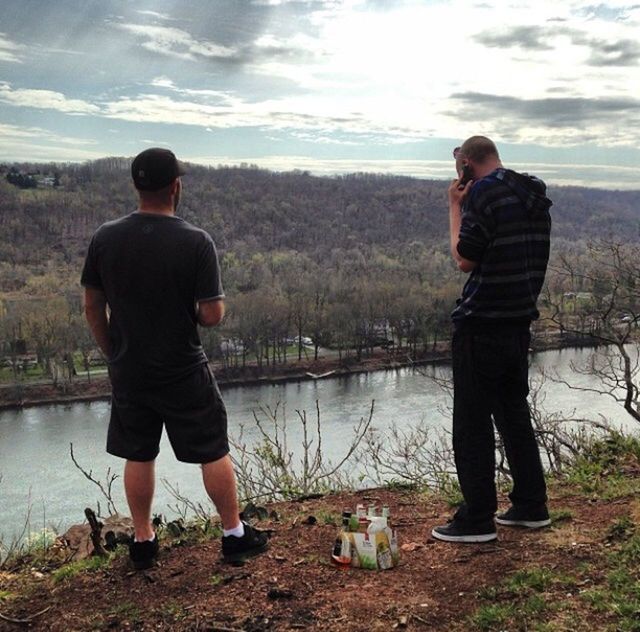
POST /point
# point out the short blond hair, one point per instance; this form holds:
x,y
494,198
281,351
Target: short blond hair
x,y
479,148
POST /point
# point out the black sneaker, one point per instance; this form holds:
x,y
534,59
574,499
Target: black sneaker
x,y
457,530
253,542
143,554
515,517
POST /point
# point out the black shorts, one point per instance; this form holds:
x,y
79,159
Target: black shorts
x,y
191,409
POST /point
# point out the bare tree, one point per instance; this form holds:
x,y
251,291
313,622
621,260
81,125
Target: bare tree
x,y
607,311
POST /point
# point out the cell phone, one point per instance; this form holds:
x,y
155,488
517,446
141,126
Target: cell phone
x,y
466,176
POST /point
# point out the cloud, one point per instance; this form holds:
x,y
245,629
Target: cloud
x,y
35,152
602,175
526,37
554,111
159,16
614,53
296,48
9,51
233,113
174,42
207,95
16,132
432,169
555,120
45,99
608,12
37,144
278,3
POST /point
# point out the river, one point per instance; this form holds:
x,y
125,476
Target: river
x,y
37,470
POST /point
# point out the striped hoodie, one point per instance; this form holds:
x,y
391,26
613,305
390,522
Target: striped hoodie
x,y
505,229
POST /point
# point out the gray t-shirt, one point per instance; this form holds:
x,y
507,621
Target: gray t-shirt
x,y
152,269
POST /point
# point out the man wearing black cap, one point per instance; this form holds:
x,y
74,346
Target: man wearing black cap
x,y
150,278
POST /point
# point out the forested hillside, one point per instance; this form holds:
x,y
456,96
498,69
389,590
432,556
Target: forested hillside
x,y
254,210
348,261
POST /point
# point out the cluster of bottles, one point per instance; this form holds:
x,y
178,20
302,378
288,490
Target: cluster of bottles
x,y
366,539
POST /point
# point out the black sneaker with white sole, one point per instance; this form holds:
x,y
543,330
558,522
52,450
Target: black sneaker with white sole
x,y
143,554
457,530
253,542
517,517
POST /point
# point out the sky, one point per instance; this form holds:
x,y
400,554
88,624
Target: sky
x,y
327,86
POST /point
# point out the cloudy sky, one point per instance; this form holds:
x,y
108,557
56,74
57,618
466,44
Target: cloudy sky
x,y
327,85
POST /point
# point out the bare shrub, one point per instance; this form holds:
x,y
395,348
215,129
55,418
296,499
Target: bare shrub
x,y
184,506
418,456
105,487
269,470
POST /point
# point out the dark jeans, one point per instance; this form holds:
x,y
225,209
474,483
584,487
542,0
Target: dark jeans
x,y
490,377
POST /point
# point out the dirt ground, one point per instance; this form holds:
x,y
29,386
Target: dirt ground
x,y
296,587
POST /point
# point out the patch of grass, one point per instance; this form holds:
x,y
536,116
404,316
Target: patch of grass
x,y
618,596
216,580
448,489
5,595
621,530
537,579
328,517
126,610
400,485
560,515
597,598
629,553
492,616
314,558
174,611
519,601
601,470
614,448
195,531
73,568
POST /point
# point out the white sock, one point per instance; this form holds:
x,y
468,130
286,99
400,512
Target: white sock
x,y
238,531
151,539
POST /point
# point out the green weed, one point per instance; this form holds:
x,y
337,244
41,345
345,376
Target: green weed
x,y
560,515
126,610
216,580
400,485
619,596
621,530
448,489
492,616
174,611
537,579
523,600
73,568
328,517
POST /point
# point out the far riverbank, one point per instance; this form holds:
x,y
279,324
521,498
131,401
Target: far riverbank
x,y
25,394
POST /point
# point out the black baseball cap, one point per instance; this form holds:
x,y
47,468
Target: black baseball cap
x,y
155,168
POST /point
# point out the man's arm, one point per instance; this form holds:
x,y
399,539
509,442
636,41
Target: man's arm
x,y
95,311
456,198
210,313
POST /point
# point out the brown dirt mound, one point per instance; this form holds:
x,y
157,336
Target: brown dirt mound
x,y
295,586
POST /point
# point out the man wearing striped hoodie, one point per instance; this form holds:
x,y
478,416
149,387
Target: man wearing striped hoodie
x,y
500,227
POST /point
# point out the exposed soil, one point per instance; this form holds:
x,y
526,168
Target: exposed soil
x,y
295,586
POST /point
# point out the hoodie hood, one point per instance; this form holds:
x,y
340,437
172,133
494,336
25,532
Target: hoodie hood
x,y
530,190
